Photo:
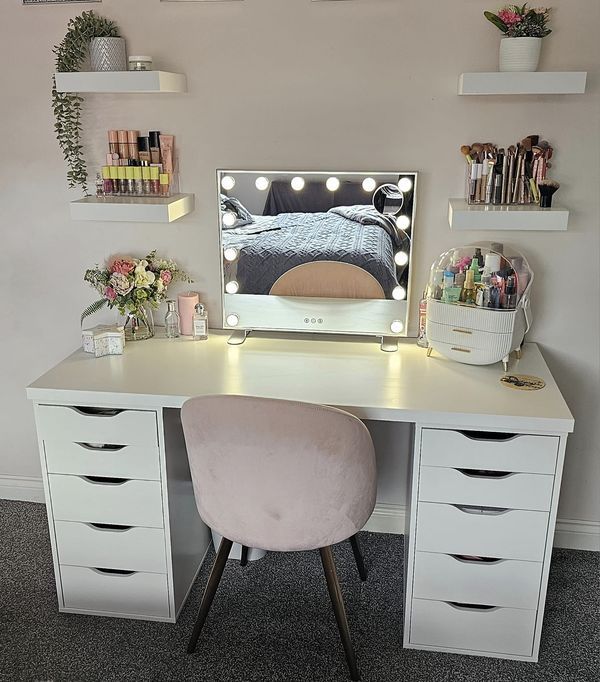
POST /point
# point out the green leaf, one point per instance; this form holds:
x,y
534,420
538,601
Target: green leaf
x,y
495,19
93,308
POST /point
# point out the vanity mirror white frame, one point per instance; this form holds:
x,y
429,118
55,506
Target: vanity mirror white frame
x,y
247,308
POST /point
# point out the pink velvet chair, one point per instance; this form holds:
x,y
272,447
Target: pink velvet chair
x,y
284,476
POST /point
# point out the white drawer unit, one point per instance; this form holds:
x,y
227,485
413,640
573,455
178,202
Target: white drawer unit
x,y
102,459
124,593
488,532
487,488
489,450
111,546
105,500
473,580
94,425
495,630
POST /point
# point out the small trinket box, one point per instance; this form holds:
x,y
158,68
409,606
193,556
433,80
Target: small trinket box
x,y
103,340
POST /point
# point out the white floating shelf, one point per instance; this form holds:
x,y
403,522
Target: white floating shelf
x,y
464,216
120,81
132,209
523,83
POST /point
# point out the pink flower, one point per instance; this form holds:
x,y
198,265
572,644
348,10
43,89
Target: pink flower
x,y
123,266
166,277
110,293
509,17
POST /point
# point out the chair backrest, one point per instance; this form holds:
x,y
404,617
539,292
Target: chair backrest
x,y
279,475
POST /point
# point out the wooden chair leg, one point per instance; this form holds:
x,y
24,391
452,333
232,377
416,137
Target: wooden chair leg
x,y
358,557
244,557
337,601
210,591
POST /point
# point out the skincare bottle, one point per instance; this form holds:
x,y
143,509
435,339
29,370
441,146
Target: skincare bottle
x,y
144,151
475,269
437,279
510,293
459,279
200,323
468,293
171,321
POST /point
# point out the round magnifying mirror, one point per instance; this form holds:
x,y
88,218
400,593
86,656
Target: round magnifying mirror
x,y
388,199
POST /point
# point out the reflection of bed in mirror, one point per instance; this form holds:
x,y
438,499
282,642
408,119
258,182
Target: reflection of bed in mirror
x,y
310,240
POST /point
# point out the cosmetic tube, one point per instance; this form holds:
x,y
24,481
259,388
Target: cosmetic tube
x,y
106,181
146,180
114,177
154,181
113,142
164,185
137,181
166,153
144,151
122,180
132,144
130,181
123,146
154,139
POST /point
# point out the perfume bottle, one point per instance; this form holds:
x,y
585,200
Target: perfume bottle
x,y
171,321
200,323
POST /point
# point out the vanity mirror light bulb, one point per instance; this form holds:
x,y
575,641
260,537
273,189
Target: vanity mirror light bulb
x,y
228,219
401,258
232,287
369,184
405,184
403,222
227,182
298,183
399,293
397,327
233,320
262,184
230,253
332,184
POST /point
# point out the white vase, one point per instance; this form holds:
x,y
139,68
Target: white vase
x,y
520,54
108,54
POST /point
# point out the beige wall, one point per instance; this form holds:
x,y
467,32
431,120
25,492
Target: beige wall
x,y
367,84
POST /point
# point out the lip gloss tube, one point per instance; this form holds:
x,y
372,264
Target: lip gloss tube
x,y
107,183
122,180
164,185
146,180
114,177
137,181
154,181
130,179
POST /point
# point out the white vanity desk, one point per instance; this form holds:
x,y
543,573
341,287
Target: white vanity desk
x,y
126,537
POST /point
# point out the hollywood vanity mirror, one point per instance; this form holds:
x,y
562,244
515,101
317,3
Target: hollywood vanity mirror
x,y
316,252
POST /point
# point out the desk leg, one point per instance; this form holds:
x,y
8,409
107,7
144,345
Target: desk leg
x,y
389,344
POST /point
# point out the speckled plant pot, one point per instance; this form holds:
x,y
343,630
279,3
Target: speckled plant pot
x,y
108,54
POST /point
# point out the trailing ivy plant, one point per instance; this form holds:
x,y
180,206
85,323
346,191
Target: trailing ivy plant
x,y
70,55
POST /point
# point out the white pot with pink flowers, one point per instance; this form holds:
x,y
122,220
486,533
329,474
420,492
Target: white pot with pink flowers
x,y
523,28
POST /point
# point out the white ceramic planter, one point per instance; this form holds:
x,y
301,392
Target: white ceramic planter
x,y
520,54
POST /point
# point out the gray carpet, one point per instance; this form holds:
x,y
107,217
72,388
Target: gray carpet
x,y
270,622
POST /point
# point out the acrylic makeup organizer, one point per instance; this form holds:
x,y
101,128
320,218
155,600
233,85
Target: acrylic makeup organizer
x,y
472,334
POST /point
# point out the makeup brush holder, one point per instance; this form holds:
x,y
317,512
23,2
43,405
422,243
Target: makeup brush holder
x,y
477,334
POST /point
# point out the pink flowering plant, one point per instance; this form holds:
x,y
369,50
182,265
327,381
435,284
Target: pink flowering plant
x,y
128,284
521,21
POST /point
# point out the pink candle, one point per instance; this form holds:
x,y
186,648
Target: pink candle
x,y
186,303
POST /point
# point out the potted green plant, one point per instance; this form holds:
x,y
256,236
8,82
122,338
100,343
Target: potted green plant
x,y
71,53
523,28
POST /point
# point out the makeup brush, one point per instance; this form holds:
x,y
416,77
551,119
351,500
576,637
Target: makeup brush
x,y
511,170
465,150
547,189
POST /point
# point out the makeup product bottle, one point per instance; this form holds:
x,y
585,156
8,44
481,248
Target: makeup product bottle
x,y
137,181
200,323
130,180
494,301
154,138
171,321
122,181
422,337
459,279
474,267
479,257
146,181
132,144
123,146
113,142
510,293
114,178
144,151
99,182
164,185
468,293
437,281
106,181
167,155
154,181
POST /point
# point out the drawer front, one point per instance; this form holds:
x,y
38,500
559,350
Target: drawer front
x,y
451,578
462,352
116,427
496,452
510,534
87,459
466,337
498,630
486,488
468,317
142,594
121,547
127,503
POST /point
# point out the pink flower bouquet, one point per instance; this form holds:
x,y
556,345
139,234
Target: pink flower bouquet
x,y
521,22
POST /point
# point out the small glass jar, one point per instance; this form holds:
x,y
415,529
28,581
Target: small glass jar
x,y
140,63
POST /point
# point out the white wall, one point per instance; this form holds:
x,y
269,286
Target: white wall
x,y
368,84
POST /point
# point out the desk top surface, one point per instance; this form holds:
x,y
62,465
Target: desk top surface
x,y
352,374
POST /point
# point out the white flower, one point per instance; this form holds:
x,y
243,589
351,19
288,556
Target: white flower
x,y
159,285
143,278
120,283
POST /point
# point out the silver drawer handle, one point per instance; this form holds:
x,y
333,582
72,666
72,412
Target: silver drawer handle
x,y
460,350
104,480
114,572
464,559
462,331
485,473
101,447
488,511
471,607
112,527
96,411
